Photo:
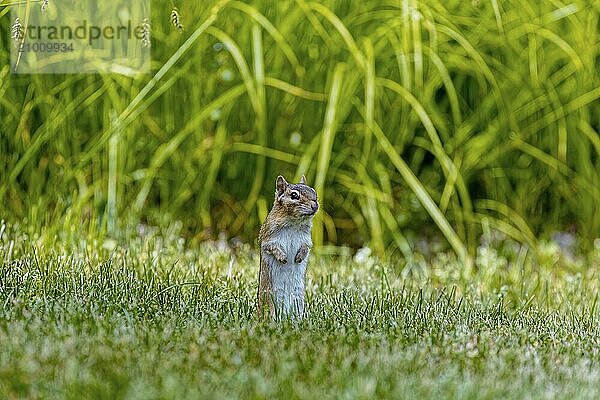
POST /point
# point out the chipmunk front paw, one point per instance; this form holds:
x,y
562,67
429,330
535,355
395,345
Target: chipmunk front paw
x,y
301,254
281,257
276,251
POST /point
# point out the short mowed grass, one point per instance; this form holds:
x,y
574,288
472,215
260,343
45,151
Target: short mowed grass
x,y
147,317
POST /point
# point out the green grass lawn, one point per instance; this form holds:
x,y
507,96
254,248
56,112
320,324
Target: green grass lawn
x,y
83,317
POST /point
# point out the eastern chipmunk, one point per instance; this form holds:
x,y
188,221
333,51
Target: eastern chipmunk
x,y
285,242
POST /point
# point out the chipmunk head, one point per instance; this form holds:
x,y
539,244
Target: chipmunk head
x,y
297,199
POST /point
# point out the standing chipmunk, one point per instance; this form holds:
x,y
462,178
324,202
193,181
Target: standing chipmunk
x,y
285,241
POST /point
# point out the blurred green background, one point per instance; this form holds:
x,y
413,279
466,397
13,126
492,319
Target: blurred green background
x,y
411,118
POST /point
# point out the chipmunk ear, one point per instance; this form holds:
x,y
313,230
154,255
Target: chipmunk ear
x,y
303,180
280,185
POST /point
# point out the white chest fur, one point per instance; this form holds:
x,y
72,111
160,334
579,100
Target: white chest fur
x,y
288,279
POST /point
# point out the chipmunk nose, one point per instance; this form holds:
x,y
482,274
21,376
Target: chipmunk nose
x,y
315,205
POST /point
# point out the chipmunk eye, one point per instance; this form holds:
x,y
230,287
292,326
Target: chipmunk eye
x,y
295,196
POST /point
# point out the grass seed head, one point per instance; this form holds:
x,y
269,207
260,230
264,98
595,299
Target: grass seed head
x,y
176,19
146,28
16,31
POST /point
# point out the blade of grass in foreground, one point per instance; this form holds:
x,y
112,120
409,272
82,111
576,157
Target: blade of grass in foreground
x,y
327,135
419,190
260,112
